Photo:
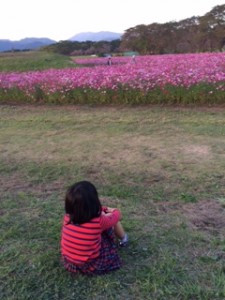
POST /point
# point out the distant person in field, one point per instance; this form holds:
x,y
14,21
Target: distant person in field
x,y
133,59
109,61
88,243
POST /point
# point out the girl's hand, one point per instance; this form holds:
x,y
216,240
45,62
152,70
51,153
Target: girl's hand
x,y
110,209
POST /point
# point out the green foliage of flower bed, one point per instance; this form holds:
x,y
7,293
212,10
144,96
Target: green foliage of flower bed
x,y
200,94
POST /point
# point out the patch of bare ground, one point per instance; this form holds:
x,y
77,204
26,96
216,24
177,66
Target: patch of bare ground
x,y
14,185
198,150
207,216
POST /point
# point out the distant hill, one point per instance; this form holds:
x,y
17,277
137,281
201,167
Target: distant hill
x,y
96,36
24,44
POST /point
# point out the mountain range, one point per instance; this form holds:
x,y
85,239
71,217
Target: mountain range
x,y
25,44
36,43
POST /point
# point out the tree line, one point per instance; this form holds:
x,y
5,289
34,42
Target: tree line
x,y
196,34
84,48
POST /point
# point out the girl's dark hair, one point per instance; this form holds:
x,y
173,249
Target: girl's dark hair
x,y
82,202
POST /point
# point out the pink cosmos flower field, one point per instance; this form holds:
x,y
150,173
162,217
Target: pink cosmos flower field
x,y
162,76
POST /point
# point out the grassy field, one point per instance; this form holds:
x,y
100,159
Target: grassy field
x,y
163,167
33,61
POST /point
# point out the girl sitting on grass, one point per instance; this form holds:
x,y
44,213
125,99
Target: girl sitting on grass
x,y
87,243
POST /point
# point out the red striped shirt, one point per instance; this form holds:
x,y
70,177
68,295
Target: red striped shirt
x,y
80,243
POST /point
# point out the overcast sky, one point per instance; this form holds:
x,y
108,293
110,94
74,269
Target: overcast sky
x,y
62,19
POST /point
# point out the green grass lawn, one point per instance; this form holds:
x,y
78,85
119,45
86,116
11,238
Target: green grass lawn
x,y
33,61
163,167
